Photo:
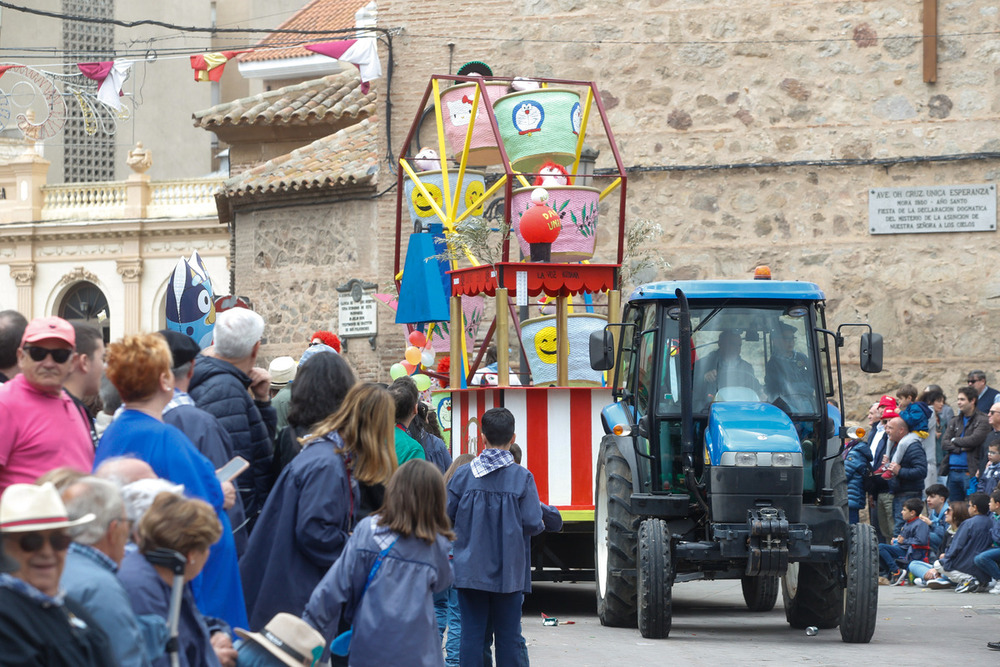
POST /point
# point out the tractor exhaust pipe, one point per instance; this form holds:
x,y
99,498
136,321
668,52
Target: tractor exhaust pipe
x,y
687,396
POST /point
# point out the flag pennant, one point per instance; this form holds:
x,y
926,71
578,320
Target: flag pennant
x,y
209,66
362,53
110,76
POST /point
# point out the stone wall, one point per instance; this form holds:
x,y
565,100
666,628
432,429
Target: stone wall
x,y
292,258
690,85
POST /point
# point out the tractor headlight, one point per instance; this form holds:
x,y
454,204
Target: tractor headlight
x,y
746,458
781,459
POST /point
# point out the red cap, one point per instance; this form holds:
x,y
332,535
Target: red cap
x,y
890,413
49,328
887,401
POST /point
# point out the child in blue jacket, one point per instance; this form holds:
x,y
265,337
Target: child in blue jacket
x,y
857,461
392,616
912,543
494,506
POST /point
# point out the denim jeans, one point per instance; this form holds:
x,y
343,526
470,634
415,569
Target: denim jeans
x,y
887,555
448,617
989,562
478,609
853,515
958,484
917,567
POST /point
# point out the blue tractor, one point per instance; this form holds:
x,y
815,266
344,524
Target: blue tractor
x,y
721,457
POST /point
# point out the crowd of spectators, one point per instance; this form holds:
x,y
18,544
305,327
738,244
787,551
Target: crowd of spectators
x,y
925,477
150,480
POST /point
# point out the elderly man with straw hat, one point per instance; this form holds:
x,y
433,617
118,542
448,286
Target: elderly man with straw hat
x,y
38,625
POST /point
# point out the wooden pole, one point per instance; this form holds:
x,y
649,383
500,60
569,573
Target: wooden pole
x,y
930,41
562,341
456,331
503,342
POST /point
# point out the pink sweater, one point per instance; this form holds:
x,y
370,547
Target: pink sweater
x,y
39,432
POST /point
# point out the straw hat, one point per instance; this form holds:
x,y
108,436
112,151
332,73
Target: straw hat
x,y
282,371
27,507
288,638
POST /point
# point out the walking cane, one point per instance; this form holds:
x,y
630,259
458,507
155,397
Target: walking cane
x,y
175,562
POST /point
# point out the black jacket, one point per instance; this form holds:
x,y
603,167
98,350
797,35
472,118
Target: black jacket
x,y
972,442
36,634
221,389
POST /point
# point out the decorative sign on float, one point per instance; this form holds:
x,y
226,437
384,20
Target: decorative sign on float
x,y
356,311
947,208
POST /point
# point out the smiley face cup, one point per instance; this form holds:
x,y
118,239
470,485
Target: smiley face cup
x,y
539,338
421,211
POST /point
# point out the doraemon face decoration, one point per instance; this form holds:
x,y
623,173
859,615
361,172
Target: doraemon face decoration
x,y
190,302
528,117
576,117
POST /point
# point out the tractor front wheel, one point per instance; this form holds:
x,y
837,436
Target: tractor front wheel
x,y
655,580
760,593
861,597
812,595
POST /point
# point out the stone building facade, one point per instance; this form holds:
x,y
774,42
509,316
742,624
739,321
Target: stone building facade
x,y
754,134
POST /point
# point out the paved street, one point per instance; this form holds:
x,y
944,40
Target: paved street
x,y
712,626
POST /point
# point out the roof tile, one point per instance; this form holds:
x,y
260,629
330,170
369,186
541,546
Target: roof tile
x,y
315,102
317,15
347,157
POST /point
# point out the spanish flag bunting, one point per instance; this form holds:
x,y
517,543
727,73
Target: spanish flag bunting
x,y
209,66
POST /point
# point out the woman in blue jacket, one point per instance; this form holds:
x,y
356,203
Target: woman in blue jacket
x,y
310,513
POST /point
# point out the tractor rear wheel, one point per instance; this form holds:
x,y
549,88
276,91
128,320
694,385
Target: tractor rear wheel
x,y
615,529
760,593
655,580
812,595
861,597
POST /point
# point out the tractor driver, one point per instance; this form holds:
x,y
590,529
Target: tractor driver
x,y
724,367
787,373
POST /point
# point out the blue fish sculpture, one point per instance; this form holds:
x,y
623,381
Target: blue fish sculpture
x,y
190,302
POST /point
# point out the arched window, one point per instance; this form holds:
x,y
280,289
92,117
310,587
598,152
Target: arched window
x,y
86,303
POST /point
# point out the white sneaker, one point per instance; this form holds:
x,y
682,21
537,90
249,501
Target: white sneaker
x,y
995,590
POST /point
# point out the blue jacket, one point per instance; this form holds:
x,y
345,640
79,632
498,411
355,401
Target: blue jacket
x,y
859,456
151,595
972,538
301,532
915,533
494,518
91,582
939,526
173,457
220,388
398,602
912,467
209,438
435,450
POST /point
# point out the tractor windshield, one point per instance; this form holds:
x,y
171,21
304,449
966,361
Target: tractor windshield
x,y
745,354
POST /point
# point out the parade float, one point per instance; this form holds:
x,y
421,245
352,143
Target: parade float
x,y
514,146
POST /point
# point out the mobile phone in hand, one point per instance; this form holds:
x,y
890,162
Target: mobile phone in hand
x,y
232,470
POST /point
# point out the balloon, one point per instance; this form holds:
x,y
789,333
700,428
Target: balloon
x,y
423,382
427,358
412,355
408,367
417,339
397,371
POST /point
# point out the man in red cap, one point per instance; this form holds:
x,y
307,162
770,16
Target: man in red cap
x,y
879,442
42,427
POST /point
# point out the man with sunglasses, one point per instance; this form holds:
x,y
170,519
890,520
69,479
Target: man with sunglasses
x,y
38,624
40,425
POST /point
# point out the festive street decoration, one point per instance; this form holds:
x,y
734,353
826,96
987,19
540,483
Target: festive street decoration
x,y
362,53
110,77
190,306
209,66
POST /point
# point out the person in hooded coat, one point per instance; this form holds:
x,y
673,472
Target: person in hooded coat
x,y
311,510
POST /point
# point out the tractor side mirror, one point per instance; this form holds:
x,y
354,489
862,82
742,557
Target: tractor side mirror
x,y
871,352
602,350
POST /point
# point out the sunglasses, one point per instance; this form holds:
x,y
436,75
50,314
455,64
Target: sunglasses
x,y
60,355
31,542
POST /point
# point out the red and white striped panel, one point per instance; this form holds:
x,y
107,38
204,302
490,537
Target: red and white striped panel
x,y
559,431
